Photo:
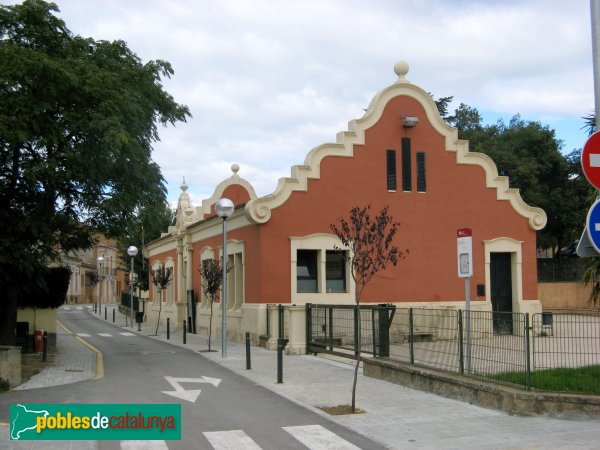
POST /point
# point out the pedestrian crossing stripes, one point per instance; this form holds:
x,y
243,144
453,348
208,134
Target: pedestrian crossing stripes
x,y
144,445
314,437
124,333
77,308
230,440
317,437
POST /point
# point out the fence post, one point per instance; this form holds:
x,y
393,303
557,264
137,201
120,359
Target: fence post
x,y
168,328
527,353
281,322
329,326
411,336
356,330
308,327
384,330
248,362
461,356
45,347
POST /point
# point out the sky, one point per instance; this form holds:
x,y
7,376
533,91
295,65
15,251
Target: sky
x,y
268,80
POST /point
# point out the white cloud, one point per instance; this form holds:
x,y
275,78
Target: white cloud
x,y
266,81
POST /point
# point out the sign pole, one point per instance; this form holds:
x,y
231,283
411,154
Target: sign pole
x,y
464,245
468,316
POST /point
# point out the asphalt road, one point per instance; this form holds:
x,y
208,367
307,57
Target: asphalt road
x,y
230,413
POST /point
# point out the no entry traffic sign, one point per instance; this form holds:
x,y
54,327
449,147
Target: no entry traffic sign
x,y
590,159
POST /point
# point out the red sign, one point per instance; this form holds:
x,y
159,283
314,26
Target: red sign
x,y
463,232
590,159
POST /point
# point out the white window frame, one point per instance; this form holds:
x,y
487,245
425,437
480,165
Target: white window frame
x,y
320,242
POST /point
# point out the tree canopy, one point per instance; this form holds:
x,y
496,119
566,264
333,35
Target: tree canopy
x,y
529,153
78,118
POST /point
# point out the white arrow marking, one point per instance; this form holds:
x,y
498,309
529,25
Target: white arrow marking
x,y
594,159
191,395
597,226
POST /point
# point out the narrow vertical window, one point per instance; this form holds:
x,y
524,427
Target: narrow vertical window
x,y
335,269
306,271
421,178
391,170
406,165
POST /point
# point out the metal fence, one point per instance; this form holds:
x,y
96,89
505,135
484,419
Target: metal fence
x,y
334,329
560,269
515,349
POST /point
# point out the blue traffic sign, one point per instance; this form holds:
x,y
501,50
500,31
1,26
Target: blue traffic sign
x,y
593,225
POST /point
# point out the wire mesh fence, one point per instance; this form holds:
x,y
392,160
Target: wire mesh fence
x,y
557,351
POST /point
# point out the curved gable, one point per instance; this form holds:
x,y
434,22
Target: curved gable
x,y
258,210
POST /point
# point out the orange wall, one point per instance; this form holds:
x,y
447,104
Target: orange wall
x,y
456,197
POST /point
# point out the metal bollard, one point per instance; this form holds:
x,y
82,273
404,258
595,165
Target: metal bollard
x,y
281,343
45,351
248,362
113,316
184,332
168,328
105,313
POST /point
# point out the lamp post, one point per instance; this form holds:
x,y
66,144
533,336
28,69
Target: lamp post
x,y
224,208
100,261
131,251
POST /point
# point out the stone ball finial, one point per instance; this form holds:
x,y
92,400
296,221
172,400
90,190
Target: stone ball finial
x,y
401,69
235,168
183,185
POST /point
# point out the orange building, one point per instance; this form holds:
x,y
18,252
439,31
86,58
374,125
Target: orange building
x,y
400,154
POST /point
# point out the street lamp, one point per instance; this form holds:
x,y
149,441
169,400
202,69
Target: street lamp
x,y
224,208
100,261
131,251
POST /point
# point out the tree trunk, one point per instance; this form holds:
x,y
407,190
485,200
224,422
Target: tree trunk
x,y
8,319
159,311
358,345
210,324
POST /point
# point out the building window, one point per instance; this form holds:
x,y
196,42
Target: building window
x,y
391,170
406,165
306,271
335,271
421,179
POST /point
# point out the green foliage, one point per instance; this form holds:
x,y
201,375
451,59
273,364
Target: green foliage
x,y
530,155
78,118
52,293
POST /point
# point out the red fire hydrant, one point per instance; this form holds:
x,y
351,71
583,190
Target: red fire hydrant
x,y
39,341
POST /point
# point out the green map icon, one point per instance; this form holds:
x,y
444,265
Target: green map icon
x,y
23,419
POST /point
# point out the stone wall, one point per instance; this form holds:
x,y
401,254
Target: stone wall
x,y
10,365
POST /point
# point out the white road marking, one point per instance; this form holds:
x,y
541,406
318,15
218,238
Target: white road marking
x,y
144,445
189,395
105,334
594,159
230,440
317,437
83,335
127,333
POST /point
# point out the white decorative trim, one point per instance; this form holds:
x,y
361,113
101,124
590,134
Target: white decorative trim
x,y
218,193
259,210
320,242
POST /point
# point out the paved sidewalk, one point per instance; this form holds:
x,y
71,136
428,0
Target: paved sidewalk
x,y
396,416
71,363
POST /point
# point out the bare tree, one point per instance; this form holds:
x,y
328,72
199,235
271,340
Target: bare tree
x,y
161,278
369,241
212,279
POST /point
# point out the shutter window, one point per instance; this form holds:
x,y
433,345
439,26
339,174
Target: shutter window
x,y
391,170
406,165
421,179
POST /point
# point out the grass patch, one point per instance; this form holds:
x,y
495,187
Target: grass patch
x,y
580,380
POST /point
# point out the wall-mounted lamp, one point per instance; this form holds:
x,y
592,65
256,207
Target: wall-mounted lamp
x,y
409,121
